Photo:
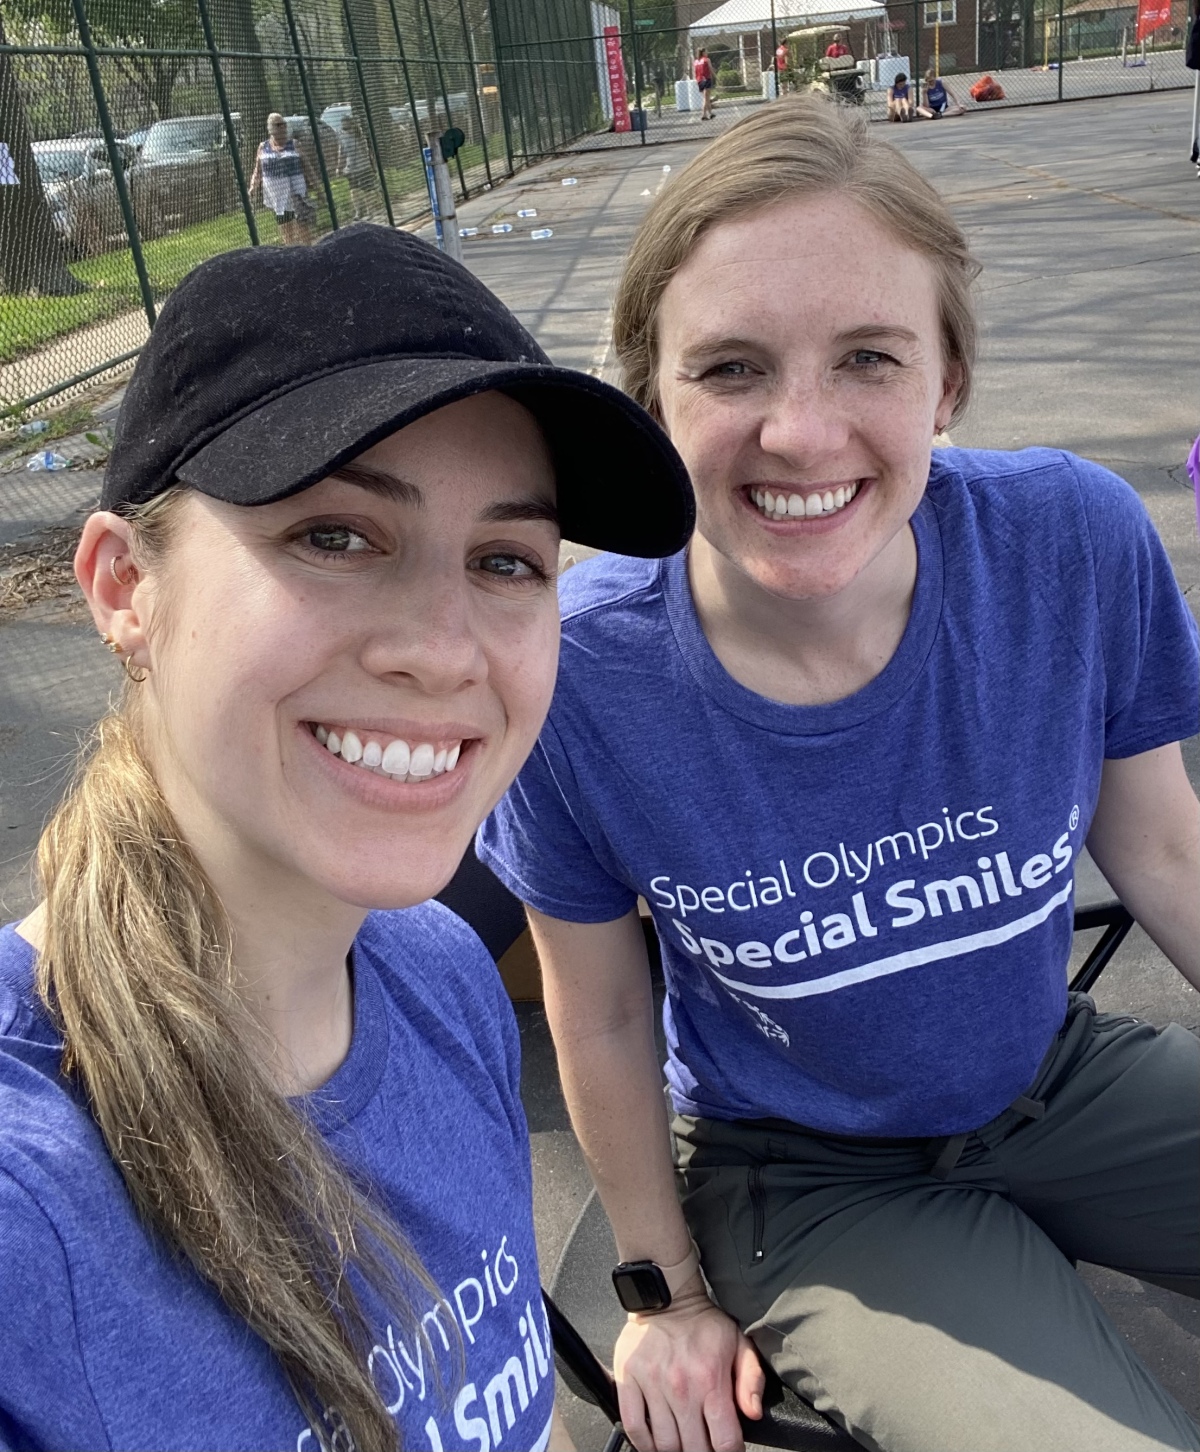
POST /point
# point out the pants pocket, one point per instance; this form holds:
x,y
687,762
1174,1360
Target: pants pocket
x,y
758,1206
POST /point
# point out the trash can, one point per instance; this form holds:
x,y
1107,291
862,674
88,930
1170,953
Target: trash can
x,y
637,118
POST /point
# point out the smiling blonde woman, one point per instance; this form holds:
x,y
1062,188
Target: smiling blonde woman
x,y
848,746
264,1172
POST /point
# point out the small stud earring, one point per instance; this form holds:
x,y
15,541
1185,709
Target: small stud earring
x,y
112,644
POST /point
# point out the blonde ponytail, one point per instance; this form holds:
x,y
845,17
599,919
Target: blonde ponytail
x,y
136,967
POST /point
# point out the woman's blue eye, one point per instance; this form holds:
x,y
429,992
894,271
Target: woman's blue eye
x,y
511,567
869,358
733,369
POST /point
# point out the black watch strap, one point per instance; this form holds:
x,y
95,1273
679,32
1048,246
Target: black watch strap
x,y
643,1285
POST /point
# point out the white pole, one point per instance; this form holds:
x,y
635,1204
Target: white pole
x,y
447,212
1196,115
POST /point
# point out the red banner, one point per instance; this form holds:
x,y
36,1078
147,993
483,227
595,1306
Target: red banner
x,y
1152,14
616,77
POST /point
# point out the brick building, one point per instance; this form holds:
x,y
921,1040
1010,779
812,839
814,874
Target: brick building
x,y
950,29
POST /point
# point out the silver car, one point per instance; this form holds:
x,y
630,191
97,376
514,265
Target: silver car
x,y
77,180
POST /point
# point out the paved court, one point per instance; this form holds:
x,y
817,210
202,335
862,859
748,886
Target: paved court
x,y
1087,218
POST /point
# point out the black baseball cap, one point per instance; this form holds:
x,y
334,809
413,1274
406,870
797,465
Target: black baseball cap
x,y
270,367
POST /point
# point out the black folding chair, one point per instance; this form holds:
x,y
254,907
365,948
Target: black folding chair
x,y
581,1294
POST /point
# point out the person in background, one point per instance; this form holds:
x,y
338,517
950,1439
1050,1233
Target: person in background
x,y
838,49
283,176
847,749
702,70
899,101
783,61
940,100
354,163
264,1170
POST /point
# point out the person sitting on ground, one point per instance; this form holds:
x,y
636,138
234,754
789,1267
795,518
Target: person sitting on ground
x,y
848,749
282,173
899,102
702,69
940,100
264,1170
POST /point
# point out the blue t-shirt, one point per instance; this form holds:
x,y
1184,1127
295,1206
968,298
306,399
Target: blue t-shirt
x,y
108,1341
935,95
864,907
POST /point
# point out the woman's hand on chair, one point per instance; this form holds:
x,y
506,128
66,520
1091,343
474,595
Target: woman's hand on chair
x,y
682,1375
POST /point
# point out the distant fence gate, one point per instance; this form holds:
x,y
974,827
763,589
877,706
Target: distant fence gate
x,y
131,130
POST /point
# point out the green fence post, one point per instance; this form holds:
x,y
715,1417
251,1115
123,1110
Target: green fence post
x,y
469,44
1060,49
537,110
310,108
637,68
223,99
525,97
918,17
362,86
502,100
115,161
408,86
441,75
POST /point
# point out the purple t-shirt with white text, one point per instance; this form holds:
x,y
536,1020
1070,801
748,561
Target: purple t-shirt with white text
x,y
109,1341
865,908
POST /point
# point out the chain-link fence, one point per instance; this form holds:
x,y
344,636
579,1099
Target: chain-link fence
x,y
134,133
988,52
134,143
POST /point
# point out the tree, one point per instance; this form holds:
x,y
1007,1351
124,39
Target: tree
x,y
31,255
145,27
245,80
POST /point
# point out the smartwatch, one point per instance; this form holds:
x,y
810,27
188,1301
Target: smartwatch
x,y
642,1285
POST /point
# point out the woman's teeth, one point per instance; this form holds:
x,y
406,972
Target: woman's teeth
x,y
803,506
397,760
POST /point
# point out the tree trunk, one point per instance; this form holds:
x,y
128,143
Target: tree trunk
x,y
385,85
245,80
31,255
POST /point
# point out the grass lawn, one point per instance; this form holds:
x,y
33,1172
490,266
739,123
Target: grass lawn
x,y
28,323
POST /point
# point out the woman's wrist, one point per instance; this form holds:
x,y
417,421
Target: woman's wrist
x,y
692,1296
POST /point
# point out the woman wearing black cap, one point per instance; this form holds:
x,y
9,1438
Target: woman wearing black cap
x,y
264,1175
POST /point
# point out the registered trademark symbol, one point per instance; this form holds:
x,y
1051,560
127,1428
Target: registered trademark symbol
x,y
1074,819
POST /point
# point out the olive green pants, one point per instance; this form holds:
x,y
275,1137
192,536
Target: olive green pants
x,y
922,1293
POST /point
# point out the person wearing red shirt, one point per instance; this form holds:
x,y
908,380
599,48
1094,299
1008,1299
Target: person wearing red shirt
x,y
703,72
837,49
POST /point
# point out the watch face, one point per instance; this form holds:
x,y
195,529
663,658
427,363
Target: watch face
x,y
641,1286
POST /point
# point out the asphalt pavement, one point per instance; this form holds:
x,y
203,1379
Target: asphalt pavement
x,y
1087,219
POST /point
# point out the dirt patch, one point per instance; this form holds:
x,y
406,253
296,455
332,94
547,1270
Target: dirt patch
x,y
36,574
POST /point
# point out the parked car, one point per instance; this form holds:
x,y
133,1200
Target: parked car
x,y
184,173
401,117
77,180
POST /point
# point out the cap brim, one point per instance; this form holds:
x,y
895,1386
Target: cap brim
x,y
621,485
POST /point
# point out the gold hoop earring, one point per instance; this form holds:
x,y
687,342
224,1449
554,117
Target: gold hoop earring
x,y
128,579
135,673
112,644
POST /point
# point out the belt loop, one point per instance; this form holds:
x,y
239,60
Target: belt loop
x,y
951,1152
1030,1108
